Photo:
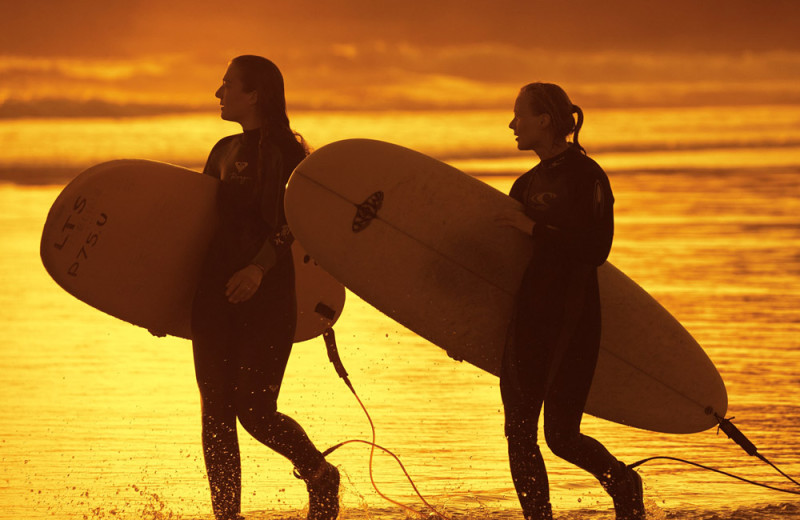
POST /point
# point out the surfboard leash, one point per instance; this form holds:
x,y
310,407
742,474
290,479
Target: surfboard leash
x,y
724,424
333,355
739,438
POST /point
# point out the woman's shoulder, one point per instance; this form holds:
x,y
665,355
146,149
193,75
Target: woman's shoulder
x,y
577,156
584,164
519,185
232,138
225,142
219,154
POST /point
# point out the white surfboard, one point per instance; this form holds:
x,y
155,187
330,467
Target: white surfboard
x,y
129,237
415,238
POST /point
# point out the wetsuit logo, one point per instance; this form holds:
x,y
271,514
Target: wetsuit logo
x,y
235,174
599,201
542,201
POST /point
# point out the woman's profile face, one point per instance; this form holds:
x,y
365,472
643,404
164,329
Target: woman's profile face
x,y
236,104
529,128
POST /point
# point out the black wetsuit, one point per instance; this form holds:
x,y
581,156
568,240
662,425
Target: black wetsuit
x,y
554,341
241,350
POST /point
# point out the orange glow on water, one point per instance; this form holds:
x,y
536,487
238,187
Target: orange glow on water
x,y
476,141
102,419
692,108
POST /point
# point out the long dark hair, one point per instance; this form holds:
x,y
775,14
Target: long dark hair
x,y
263,76
549,98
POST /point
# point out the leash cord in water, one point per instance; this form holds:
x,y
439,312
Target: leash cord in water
x,y
724,424
739,438
333,356
731,475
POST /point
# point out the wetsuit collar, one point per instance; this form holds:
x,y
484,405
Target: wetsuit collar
x,y
555,160
253,135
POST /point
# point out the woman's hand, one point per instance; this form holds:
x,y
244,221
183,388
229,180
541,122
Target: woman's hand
x,y
516,219
244,284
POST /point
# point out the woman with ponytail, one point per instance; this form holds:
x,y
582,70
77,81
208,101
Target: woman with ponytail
x,y
554,339
244,312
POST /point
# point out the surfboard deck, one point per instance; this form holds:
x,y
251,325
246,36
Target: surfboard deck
x,y
415,238
129,237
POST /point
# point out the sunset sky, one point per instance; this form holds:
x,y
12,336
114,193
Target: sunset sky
x,y
94,57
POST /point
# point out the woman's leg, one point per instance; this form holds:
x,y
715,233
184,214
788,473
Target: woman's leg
x,y
215,378
565,403
523,387
563,411
528,471
221,453
267,328
579,340
263,351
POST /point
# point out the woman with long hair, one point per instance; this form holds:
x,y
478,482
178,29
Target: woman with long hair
x,y
244,312
554,340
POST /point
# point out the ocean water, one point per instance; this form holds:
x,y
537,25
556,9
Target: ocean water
x,y
98,419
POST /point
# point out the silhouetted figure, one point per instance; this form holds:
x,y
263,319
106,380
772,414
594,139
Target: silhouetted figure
x,y
554,340
244,312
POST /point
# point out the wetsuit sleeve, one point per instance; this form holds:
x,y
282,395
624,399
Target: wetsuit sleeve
x,y
267,256
518,188
279,241
587,234
213,165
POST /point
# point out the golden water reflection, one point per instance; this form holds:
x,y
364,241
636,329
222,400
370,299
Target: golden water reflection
x,y
101,420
